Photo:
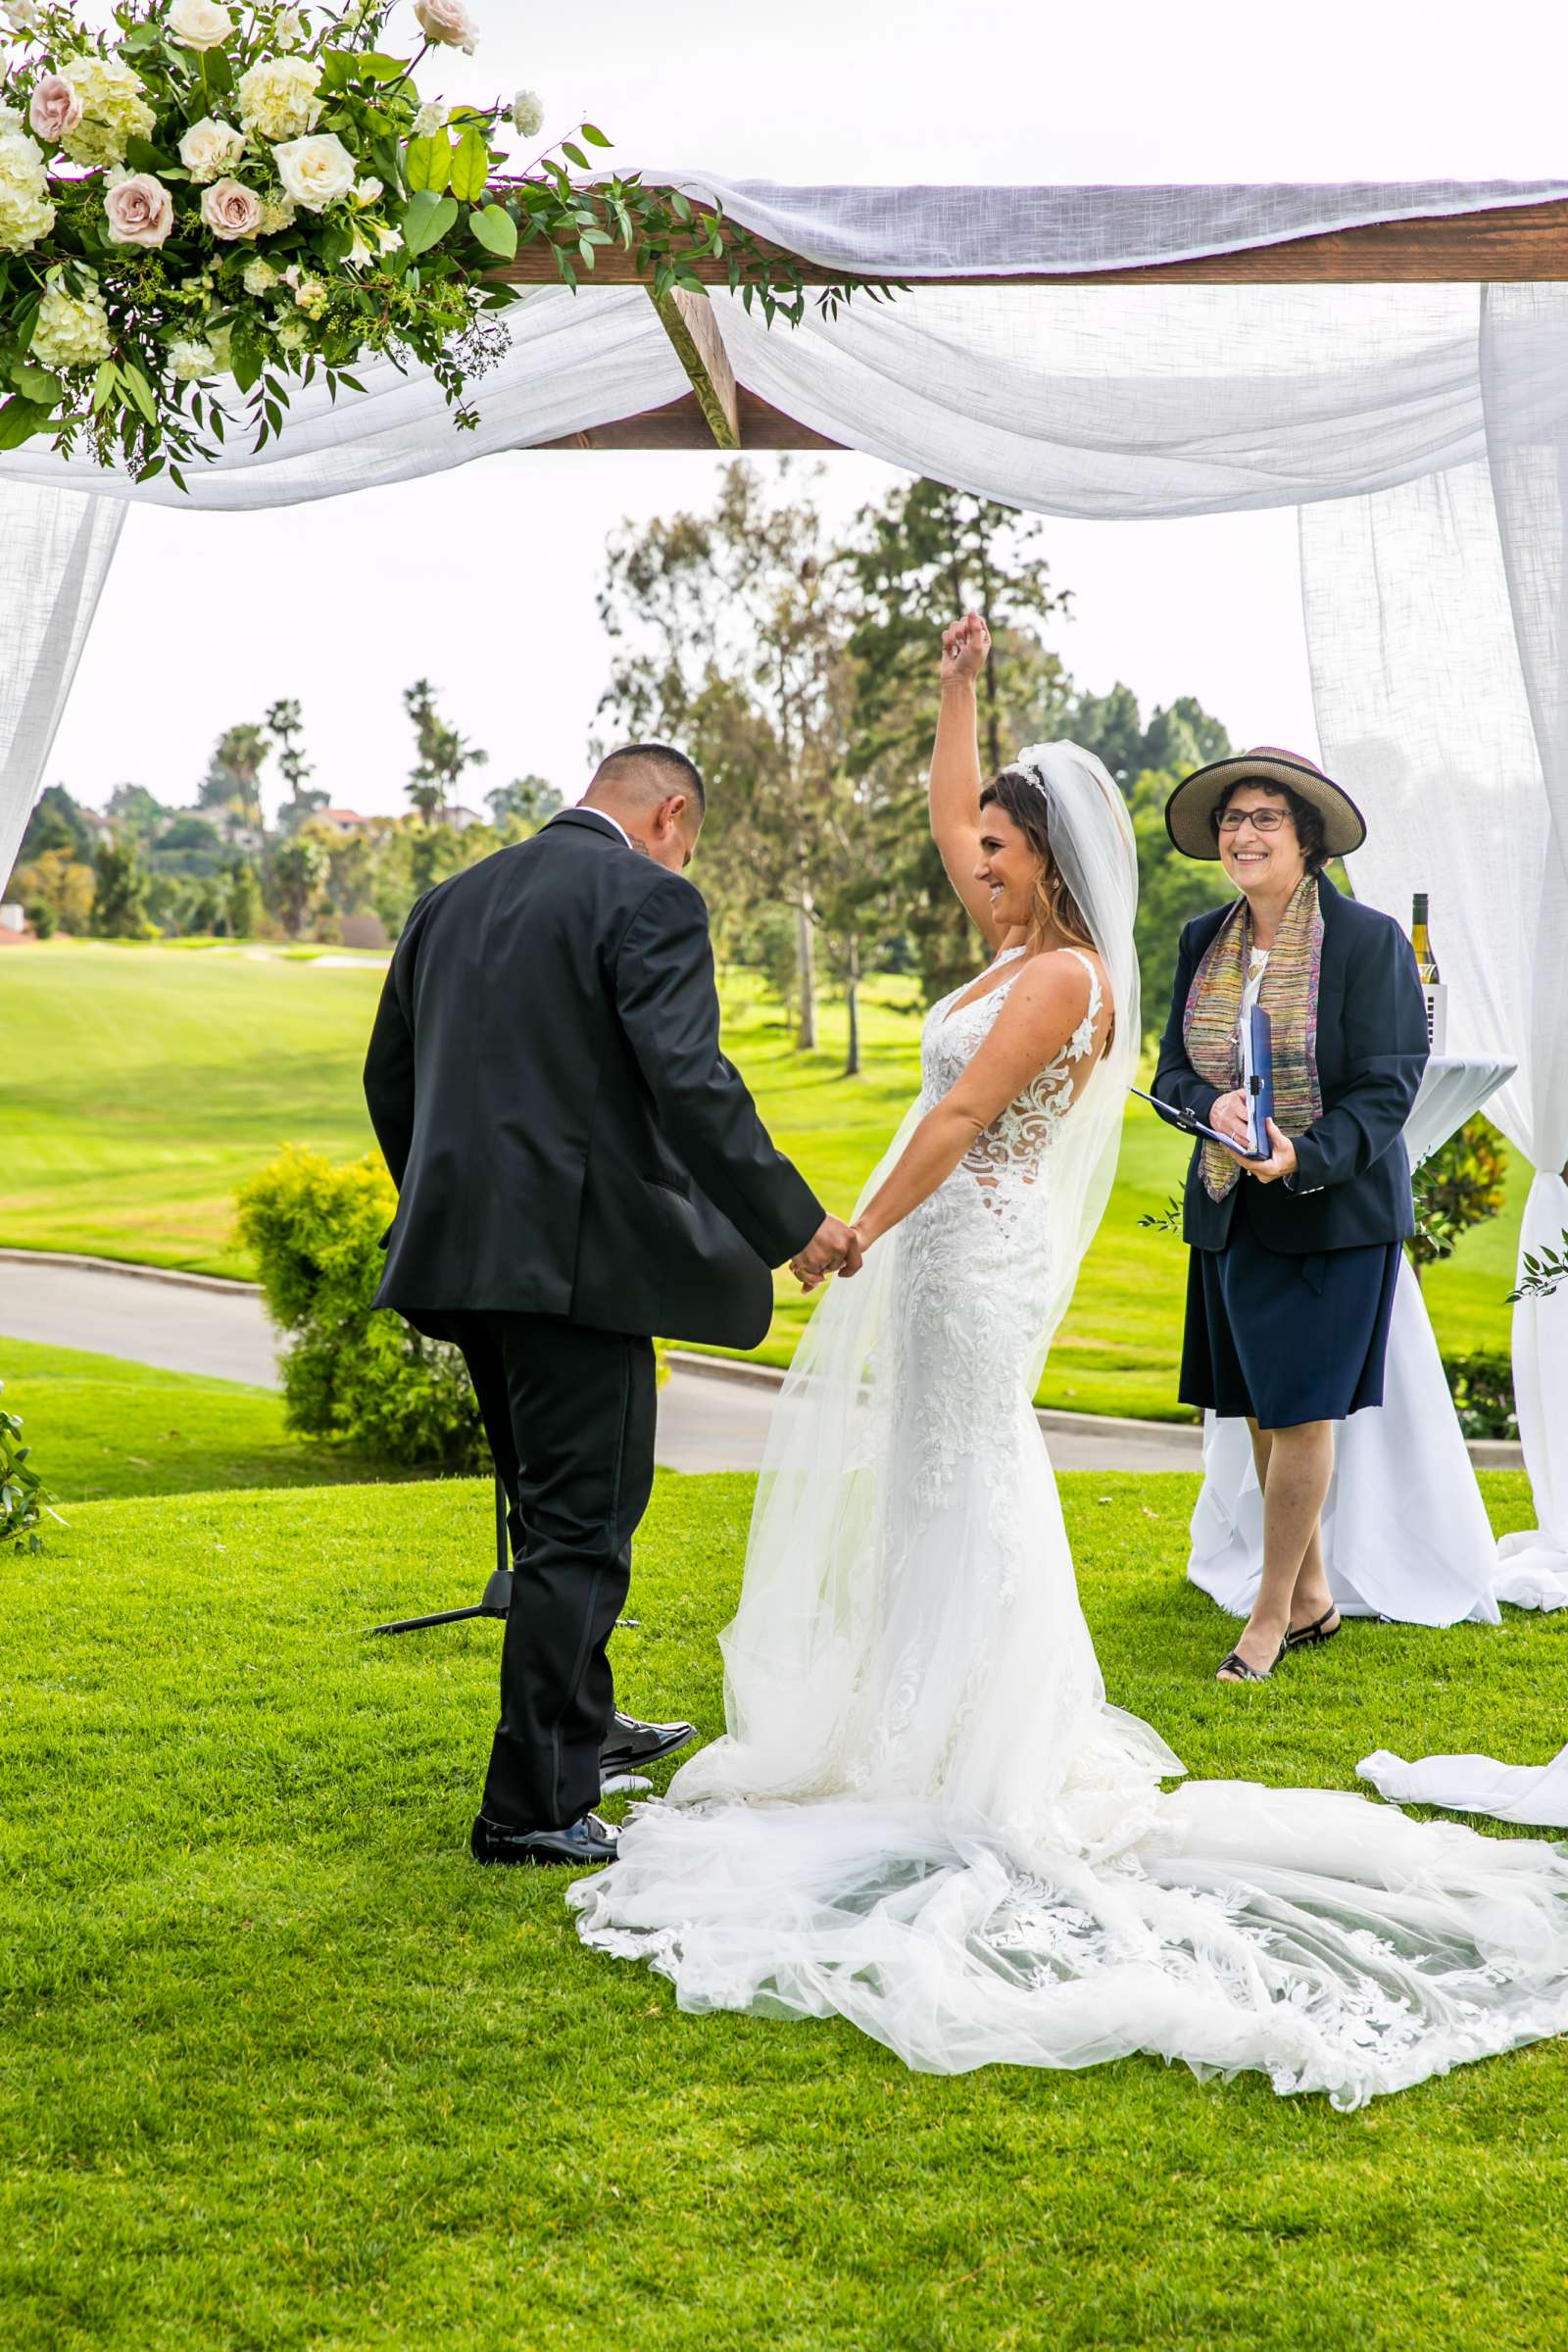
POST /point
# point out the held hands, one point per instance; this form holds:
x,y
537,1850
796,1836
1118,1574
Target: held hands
x,y
834,1248
965,645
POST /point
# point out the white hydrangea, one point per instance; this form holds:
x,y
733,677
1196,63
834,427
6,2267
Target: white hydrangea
x,y
114,111
258,277
528,114
189,357
71,332
279,97
25,211
276,212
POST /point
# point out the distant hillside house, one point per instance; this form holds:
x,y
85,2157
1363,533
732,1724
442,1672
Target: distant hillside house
x,y
459,819
346,820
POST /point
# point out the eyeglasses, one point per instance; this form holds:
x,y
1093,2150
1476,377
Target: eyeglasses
x,y
1265,820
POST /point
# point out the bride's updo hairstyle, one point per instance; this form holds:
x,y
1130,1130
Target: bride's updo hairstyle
x,y
1015,793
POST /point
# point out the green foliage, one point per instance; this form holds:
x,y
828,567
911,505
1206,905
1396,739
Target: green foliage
x,y
1171,891
1544,1274
43,918
523,805
1481,1385
1459,1185
242,901
298,870
443,755
23,1497
352,1374
119,901
58,822
119,347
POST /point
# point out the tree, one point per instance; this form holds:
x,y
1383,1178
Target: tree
x,y
286,721
1176,739
299,871
443,754
734,631
526,802
1171,889
61,882
120,898
232,780
58,822
136,814
925,554
242,899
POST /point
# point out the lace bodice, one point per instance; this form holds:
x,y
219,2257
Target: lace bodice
x,y
1018,1137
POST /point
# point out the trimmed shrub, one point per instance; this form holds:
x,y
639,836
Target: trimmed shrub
x,y
351,1373
1482,1389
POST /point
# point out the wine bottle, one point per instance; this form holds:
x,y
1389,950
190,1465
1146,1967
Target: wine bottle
x,y
1421,941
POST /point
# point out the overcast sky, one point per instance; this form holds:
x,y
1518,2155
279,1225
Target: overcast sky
x,y
483,578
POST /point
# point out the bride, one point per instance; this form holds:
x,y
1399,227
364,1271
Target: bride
x,y
925,1817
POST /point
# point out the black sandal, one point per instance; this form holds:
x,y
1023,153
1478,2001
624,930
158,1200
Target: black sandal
x,y
1310,1636
1237,1667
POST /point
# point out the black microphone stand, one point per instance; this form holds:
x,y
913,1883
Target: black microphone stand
x,y
494,1601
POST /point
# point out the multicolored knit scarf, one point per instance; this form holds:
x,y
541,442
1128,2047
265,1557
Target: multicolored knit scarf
x,y
1289,995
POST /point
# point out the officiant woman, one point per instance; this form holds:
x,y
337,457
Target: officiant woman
x,y
1294,1258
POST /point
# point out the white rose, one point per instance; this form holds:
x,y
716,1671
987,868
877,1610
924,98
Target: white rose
x,y
189,358
199,24
528,114
317,171
278,97
231,210
430,119
70,333
211,148
293,335
258,277
449,23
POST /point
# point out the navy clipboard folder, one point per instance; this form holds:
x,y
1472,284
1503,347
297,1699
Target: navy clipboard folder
x,y
1257,1084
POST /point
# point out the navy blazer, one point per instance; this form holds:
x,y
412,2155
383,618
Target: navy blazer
x,y
565,1135
1352,1181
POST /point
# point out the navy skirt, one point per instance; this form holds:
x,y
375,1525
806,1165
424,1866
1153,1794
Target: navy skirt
x,y
1283,1338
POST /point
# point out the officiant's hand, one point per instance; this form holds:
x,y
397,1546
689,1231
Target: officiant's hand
x,y
1229,1117
1281,1161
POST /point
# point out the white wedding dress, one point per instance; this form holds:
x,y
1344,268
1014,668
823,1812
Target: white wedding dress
x,y
925,1817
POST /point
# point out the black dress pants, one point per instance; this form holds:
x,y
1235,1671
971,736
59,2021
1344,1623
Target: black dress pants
x,y
570,1415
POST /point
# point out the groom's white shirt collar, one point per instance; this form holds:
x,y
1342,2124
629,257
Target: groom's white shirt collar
x,y
604,815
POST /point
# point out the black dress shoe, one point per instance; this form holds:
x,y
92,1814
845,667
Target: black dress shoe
x,y
631,1747
581,1843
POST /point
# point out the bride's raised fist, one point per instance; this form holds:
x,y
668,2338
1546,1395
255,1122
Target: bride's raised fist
x,y
965,644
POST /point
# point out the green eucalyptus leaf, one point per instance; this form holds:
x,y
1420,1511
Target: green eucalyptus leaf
x,y
470,166
496,231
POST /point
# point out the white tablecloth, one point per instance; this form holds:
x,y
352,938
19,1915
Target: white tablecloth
x,y
1405,1533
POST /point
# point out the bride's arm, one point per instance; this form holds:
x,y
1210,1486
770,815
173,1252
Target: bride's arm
x,y
1044,1007
955,770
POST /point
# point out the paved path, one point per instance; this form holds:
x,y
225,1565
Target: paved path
x,y
707,1419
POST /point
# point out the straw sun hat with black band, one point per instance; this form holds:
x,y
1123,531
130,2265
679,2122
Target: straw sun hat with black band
x,y
1192,806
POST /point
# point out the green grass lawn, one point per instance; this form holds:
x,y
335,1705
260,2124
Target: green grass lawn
x,y
102,1428
280,2068
149,1082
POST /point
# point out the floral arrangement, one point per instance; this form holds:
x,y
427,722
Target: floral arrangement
x,y
211,197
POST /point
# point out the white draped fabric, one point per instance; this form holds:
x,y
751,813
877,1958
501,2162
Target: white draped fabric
x,y
1420,429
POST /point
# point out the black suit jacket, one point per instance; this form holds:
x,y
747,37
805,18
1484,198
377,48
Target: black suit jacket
x,y
1352,1182
546,1082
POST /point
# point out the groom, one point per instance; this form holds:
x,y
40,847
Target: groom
x,y
577,1167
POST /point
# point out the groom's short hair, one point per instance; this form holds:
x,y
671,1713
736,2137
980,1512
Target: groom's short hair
x,y
669,771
